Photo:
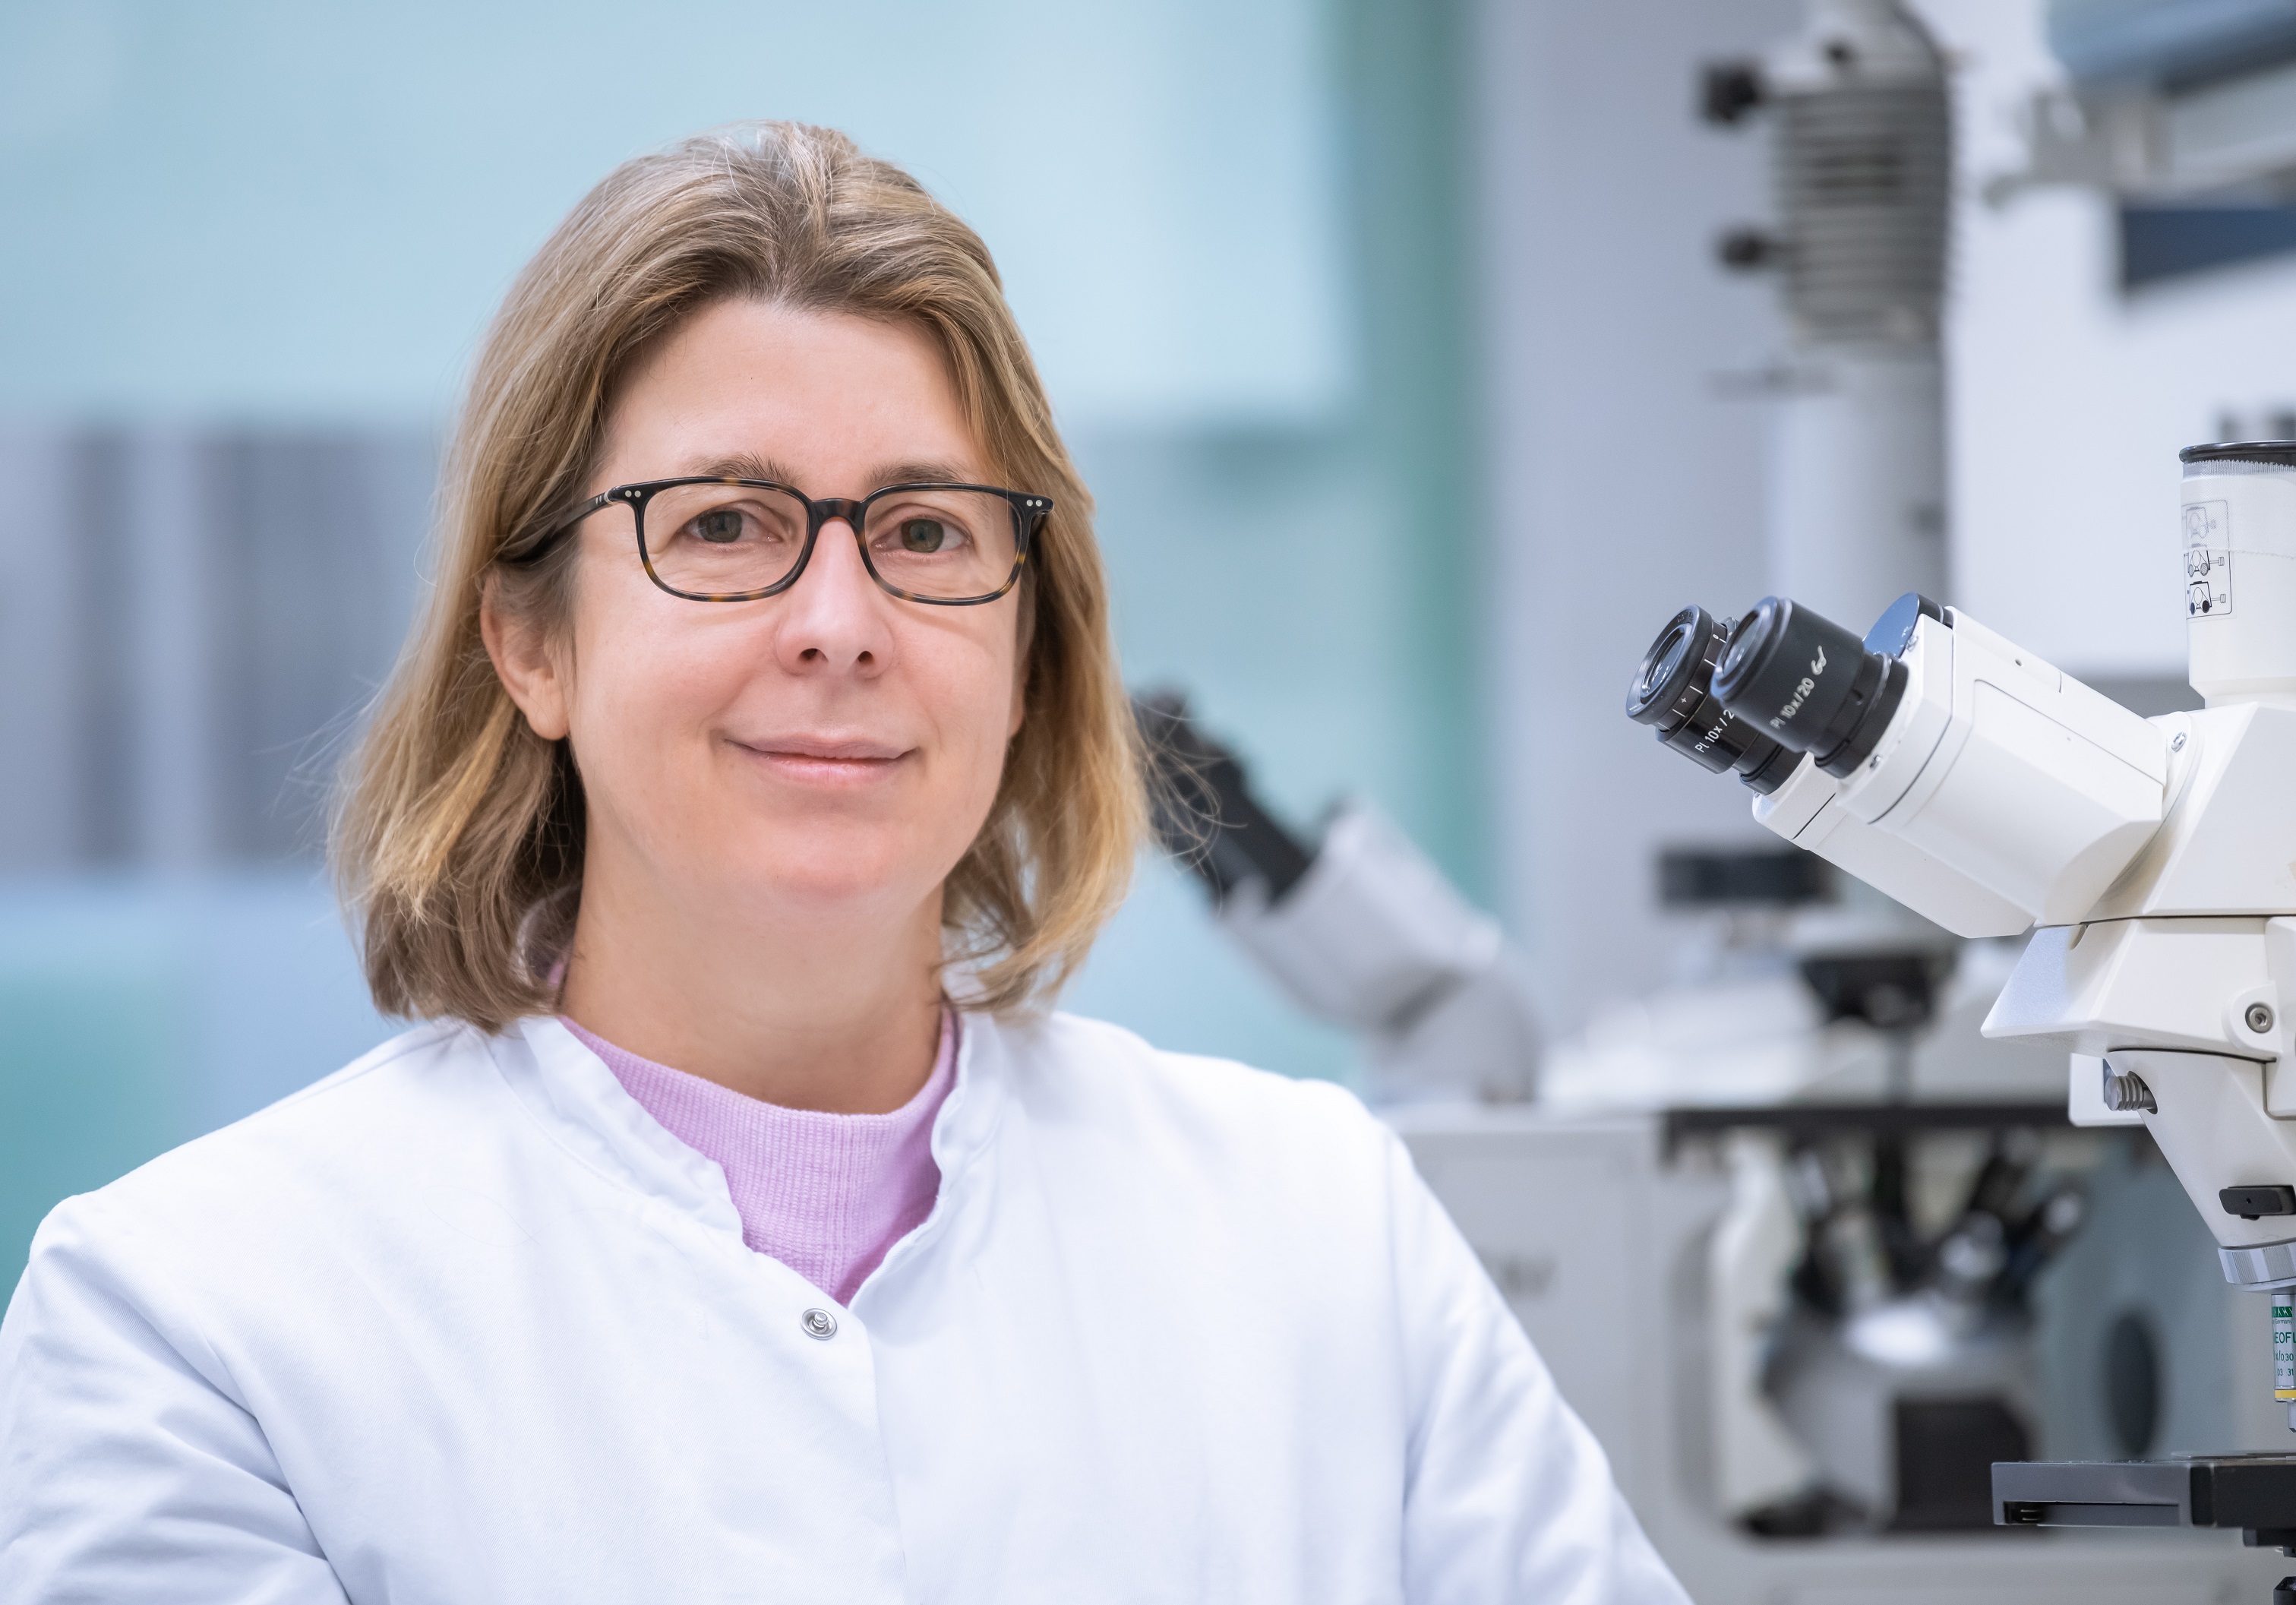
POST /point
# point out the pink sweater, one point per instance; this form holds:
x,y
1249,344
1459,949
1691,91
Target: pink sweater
x,y
826,1195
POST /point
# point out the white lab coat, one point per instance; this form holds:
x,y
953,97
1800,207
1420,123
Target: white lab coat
x,y
462,1323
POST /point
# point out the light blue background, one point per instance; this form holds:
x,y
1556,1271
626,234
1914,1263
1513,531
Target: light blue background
x,y
297,208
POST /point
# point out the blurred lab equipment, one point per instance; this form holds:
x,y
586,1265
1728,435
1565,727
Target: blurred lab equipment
x,y
2153,856
1862,160
2129,293
1778,1448
1359,929
194,616
1904,1365
2166,102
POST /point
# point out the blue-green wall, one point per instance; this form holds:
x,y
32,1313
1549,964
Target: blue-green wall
x,y
284,207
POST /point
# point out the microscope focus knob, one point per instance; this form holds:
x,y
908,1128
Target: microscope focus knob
x,y
2124,1093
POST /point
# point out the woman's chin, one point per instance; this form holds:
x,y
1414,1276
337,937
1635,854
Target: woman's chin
x,y
828,874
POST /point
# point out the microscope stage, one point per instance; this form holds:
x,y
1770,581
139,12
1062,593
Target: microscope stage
x,y
2256,1493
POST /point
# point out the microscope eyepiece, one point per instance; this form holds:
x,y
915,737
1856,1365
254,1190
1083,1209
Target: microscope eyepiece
x,y
1671,666
1810,684
1673,694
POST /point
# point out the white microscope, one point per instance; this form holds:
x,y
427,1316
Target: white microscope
x,y
1359,928
1983,788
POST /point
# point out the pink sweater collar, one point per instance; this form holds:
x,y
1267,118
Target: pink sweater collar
x,y
827,1195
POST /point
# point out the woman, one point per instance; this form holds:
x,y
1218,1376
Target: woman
x,y
699,1247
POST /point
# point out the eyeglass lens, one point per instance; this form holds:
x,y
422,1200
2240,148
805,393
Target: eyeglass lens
x,y
715,539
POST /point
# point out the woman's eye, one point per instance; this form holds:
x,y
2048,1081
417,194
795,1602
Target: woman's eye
x,y
929,534
721,526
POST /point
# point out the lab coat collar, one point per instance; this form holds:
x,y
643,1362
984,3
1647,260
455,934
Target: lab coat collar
x,y
967,1122
584,1107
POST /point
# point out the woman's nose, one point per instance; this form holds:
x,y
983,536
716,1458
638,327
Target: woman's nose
x,y
835,616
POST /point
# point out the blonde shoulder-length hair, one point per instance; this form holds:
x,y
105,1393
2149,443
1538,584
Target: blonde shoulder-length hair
x,y
458,835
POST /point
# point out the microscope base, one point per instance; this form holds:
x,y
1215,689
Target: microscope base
x,y
2254,1493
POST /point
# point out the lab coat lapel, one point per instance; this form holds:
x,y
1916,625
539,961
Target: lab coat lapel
x,y
580,1106
964,1139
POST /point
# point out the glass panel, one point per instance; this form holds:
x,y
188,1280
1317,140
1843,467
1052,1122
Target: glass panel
x,y
942,543
716,539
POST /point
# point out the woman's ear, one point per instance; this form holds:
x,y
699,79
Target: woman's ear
x,y
529,670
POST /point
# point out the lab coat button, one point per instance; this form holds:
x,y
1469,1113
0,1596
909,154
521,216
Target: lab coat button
x,y
818,1324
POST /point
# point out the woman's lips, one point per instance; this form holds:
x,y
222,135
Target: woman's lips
x,y
820,761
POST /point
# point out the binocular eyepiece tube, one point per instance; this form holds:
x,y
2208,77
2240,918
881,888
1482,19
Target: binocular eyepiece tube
x,y
1780,681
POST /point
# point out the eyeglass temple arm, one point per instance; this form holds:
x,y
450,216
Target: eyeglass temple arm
x,y
562,529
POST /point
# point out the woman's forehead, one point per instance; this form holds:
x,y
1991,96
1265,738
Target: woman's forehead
x,y
747,390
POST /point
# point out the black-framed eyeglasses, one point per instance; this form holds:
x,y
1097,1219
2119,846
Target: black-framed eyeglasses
x,y
713,539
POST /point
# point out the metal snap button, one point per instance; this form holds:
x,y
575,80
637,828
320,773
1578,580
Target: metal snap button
x,y
818,1324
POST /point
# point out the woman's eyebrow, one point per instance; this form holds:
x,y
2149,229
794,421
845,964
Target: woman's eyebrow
x,y
921,473
741,465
